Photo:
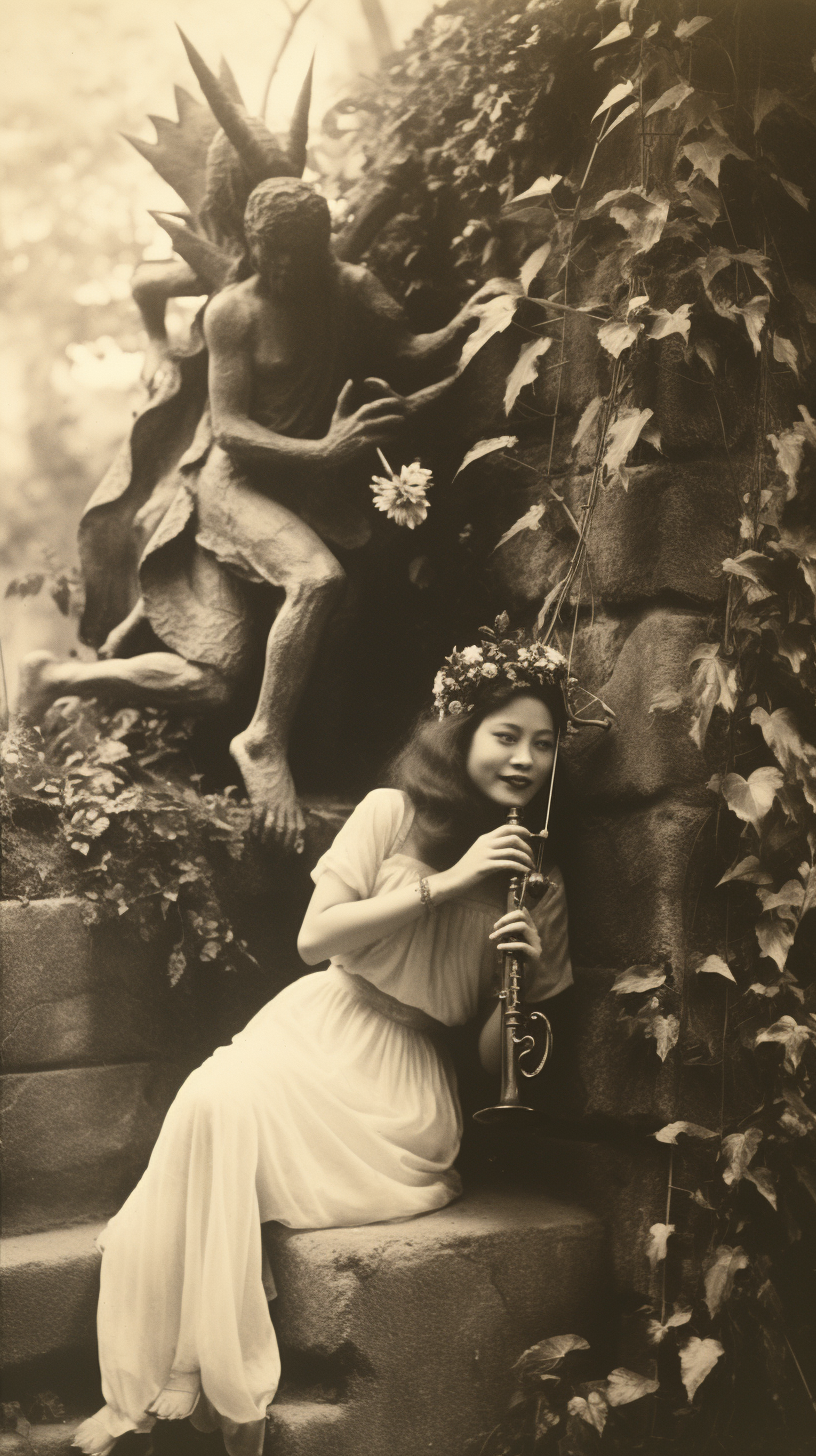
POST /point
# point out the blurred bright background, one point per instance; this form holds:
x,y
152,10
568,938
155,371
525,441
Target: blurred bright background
x,y
74,74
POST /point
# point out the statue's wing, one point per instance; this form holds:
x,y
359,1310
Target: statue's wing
x,y
179,153
211,264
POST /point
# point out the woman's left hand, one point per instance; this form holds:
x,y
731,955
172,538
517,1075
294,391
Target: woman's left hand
x,y
516,931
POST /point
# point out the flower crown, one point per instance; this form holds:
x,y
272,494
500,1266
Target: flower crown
x,y
503,657
509,659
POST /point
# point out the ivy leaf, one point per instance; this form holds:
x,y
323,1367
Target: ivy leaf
x,y
486,447
750,799
754,312
620,32
616,336
697,1360
737,1151
791,750
658,1332
542,187
665,1030
763,1180
643,215
775,936
625,88
670,1133
687,28
638,978
532,266
713,262
627,111
621,438
714,965
795,192
790,897
713,685
749,870
530,521
659,1235
792,1036
785,352
707,156
721,1269
666,323
594,1410
547,1355
494,317
623,1386
587,419
764,103
671,99
524,371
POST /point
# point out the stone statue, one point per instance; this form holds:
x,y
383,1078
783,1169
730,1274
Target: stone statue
x,y
311,366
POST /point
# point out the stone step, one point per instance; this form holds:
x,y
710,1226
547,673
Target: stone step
x,y
421,1321
48,1290
396,1338
76,1141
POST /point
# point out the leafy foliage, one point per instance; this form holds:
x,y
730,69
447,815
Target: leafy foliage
x,y
147,845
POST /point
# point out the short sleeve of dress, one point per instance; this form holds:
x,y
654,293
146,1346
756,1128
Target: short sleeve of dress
x,y
550,917
366,839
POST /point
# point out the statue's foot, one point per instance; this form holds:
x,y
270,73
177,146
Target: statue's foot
x,y
276,813
37,688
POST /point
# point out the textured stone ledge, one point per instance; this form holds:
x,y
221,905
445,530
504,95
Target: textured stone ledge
x,y
49,1284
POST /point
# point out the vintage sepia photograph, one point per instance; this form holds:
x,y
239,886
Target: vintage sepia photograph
x,y
408,728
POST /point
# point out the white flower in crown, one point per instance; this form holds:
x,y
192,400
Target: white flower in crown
x,y
551,658
455,707
489,669
403,497
471,655
439,682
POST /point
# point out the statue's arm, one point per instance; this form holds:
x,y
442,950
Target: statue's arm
x,y
228,330
414,358
153,284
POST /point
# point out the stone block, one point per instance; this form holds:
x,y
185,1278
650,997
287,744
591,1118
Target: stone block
x,y
644,754
626,880
663,538
72,994
49,1284
427,1316
77,1141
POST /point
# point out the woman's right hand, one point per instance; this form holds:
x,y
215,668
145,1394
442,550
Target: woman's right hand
x,y
506,848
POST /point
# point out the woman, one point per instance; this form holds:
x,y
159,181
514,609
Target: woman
x,y
337,1104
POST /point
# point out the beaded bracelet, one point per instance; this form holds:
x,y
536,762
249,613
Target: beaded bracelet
x,y
425,895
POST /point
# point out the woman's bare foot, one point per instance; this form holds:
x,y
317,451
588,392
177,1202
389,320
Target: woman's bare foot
x,y
276,813
93,1436
179,1397
38,686
243,1440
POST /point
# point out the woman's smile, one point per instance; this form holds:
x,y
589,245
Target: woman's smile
x,y
511,753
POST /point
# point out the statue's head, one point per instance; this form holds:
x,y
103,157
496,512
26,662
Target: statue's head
x,y
287,226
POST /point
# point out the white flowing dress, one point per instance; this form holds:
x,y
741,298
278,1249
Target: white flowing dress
x,y
336,1105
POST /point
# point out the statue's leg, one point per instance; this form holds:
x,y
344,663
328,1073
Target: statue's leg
x,y
160,679
288,554
120,636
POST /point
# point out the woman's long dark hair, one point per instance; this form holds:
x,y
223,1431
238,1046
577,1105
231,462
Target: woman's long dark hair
x,y
431,768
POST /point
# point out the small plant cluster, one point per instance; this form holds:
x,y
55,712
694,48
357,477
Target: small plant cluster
x,y
504,657
146,845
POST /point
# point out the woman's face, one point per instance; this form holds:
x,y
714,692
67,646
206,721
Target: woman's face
x,y
511,753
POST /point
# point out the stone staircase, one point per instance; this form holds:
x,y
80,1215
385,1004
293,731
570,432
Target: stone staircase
x,y
397,1339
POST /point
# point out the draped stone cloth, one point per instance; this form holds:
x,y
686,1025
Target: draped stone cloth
x,y
336,1106
168,522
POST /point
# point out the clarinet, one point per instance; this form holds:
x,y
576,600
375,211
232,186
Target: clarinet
x,y
517,1041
